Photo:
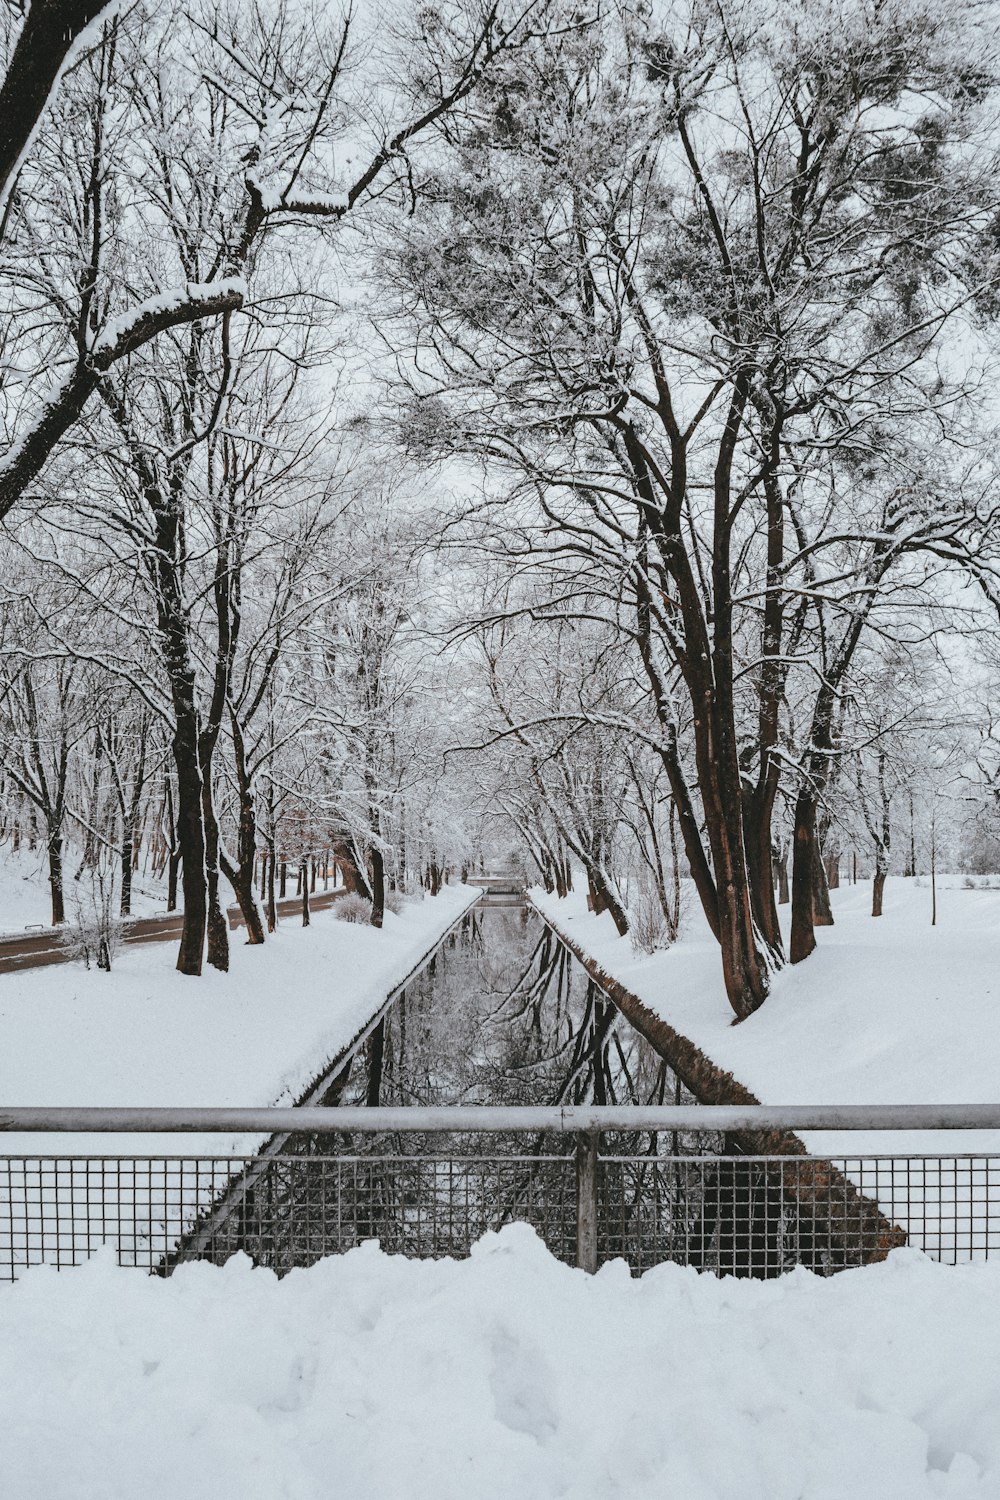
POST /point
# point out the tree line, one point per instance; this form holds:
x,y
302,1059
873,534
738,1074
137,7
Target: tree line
x,y
682,314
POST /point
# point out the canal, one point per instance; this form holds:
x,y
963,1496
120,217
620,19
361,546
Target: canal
x,y
504,1014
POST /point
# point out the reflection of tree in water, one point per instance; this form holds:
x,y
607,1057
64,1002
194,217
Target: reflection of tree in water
x,y
505,1015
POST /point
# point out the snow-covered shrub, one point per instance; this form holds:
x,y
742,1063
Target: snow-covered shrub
x,y
352,908
94,930
394,901
648,925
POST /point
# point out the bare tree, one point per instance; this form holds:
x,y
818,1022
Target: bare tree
x,y
684,280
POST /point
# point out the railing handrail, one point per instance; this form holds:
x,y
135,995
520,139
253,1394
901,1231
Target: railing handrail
x,y
492,1119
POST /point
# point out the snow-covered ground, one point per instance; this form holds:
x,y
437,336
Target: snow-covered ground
x,y
146,1035
26,901
886,1011
371,1377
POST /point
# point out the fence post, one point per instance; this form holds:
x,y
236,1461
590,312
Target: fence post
x,y
587,1147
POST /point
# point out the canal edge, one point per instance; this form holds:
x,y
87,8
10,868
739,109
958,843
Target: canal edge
x,y
821,1185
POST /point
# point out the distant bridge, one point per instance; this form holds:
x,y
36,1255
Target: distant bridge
x,y
501,888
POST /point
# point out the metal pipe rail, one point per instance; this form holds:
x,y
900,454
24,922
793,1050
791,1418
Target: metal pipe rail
x,y
575,1119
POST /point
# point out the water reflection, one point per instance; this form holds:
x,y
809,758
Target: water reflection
x,y
505,1015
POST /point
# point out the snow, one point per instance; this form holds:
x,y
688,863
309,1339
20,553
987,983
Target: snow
x,y
886,1011
369,1376
26,901
333,204
146,1035
117,331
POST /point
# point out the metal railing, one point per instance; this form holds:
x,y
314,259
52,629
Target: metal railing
x,y
595,1182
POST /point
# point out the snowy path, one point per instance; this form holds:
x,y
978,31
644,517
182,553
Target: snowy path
x,y
371,1377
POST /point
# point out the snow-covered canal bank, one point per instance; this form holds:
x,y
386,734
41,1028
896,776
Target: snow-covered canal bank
x,y
370,1377
146,1035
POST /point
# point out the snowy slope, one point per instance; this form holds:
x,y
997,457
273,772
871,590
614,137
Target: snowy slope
x,y
25,899
886,1011
370,1377
146,1035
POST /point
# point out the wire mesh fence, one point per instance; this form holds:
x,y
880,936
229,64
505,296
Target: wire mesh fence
x,y
728,1214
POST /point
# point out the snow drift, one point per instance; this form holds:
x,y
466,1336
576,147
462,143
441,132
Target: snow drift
x,y
505,1375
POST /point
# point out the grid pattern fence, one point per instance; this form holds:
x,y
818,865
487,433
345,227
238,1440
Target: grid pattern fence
x,y
729,1214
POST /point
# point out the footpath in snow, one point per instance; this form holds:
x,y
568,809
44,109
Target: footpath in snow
x,y
146,1035
369,1377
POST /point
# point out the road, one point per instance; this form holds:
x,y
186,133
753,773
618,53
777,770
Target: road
x,y
39,949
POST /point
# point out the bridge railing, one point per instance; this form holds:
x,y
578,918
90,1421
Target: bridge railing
x,y
728,1189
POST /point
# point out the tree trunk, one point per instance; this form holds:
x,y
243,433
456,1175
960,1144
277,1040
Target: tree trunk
x,y
125,905
47,35
55,850
130,825
191,844
173,849
272,906
604,898
378,886
245,890
822,910
217,926
757,810
304,890
803,938
241,875
878,890
782,868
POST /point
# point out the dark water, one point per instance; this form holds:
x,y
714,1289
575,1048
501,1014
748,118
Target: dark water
x,y
505,1015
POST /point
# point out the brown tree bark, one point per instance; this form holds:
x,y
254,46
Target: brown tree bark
x,y
378,887
878,890
781,867
803,937
354,881
375,1048
822,910
603,898
705,658
272,908
190,832
241,875
55,853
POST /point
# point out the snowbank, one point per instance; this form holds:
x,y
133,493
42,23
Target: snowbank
x,y
146,1035
371,1377
886,1011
